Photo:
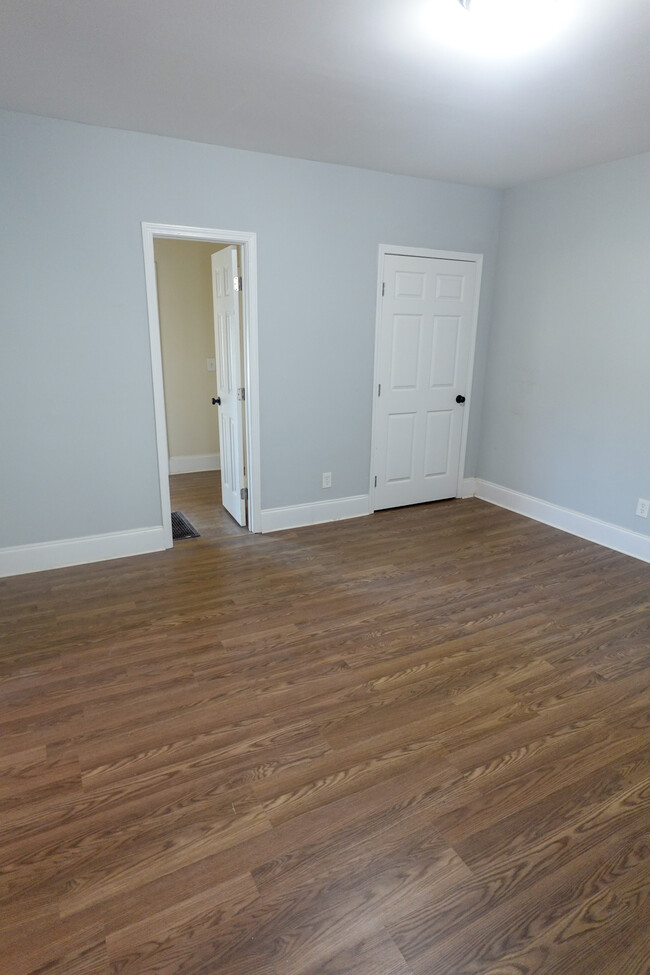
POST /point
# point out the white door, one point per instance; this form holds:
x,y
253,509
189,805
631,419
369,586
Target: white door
x,y
225,296
426,332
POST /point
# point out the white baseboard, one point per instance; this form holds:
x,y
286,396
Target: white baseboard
x,y
468,489
584,526
20,559
192,463
300,515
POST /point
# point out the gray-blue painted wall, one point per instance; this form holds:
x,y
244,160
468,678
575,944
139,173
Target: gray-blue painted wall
x,y
77,445
567,406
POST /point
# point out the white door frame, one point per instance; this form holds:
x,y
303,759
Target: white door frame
x,y
477,259
248,242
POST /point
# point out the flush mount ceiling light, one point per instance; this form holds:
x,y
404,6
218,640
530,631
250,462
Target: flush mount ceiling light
x,y
499,28
508,8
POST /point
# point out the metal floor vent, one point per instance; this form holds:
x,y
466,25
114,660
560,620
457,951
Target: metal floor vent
x,y
181,527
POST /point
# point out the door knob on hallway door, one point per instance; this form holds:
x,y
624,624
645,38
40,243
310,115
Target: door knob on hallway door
x,y
216,401
459,399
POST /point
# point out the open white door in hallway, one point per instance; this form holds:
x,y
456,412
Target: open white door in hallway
x,y
426,336
225,293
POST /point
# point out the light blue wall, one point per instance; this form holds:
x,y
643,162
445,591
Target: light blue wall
x,y
567,405
78,447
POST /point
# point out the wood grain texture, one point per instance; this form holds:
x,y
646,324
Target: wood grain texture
x,y
411,744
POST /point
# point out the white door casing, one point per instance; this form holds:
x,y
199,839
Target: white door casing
x,y
425,344
247,241
225,296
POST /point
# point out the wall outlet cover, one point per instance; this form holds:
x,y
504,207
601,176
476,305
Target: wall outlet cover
x,y
642,507
327,479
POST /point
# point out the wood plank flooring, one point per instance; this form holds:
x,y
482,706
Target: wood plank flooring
x,y
409,744
201,494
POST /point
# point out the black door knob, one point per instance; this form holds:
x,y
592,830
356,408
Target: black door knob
x,y
216,400
459,399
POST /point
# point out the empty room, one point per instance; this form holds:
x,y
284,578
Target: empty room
x,y
325,487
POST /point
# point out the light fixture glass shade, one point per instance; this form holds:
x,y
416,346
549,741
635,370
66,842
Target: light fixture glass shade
x,y
500,28
518,9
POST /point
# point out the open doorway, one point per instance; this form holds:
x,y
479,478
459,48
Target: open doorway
x,y
194,377
201,295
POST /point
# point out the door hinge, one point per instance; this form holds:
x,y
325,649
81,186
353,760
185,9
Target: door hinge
x,y
375,480
241,393
379,390
237,283
243,494
383,288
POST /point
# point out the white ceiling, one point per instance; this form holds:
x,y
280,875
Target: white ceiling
x,y
369,83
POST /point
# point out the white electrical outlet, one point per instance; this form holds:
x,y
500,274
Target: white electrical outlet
x,y
327,479
212,365
642,507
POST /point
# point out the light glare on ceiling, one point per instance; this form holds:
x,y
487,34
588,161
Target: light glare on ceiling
x,y
498,28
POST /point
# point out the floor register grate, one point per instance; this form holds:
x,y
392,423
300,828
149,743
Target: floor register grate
x,y
181,528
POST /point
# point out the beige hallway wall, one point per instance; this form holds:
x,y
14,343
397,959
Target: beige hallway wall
x,y
187,338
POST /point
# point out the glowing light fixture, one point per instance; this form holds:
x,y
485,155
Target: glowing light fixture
x,y
499,28
509,8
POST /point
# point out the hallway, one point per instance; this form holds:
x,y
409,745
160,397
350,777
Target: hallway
x,y
198,497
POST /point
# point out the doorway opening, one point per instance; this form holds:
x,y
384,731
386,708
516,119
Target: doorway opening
x,y
202,305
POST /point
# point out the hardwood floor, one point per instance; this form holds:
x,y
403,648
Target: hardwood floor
x,y
410,744
198,496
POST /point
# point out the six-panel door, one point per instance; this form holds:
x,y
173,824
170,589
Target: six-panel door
x,y
229,380
424,346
